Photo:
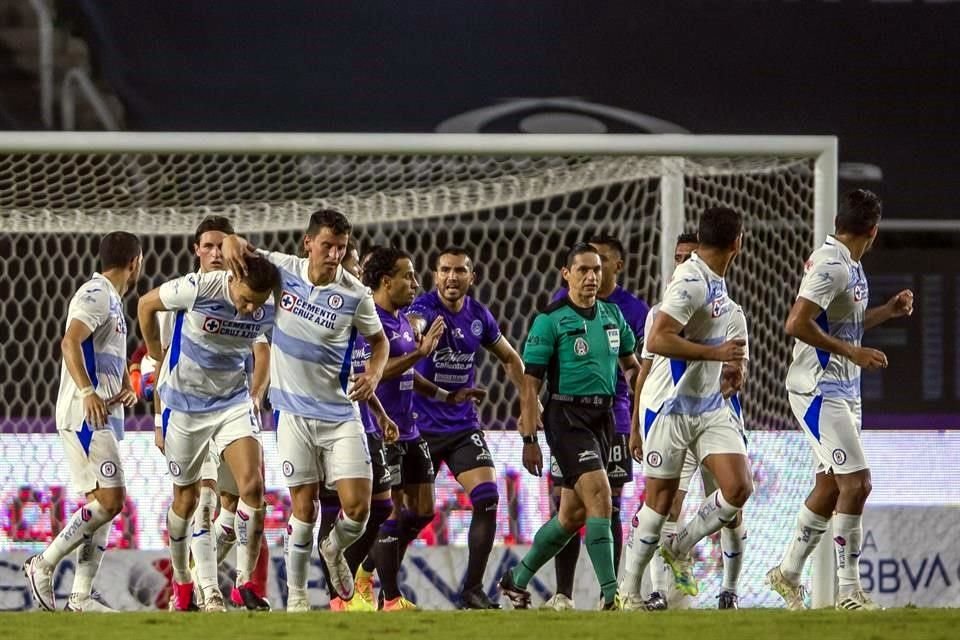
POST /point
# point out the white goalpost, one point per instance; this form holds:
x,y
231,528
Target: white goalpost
x,y
514,199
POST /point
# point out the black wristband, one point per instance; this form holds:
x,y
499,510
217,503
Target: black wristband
x,y
529,439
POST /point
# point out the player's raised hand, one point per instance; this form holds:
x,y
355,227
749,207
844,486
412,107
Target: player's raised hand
x,y
430,339
364,384
635,445
869,359
901,304
389,428
235,251
95,411
735,349
467,394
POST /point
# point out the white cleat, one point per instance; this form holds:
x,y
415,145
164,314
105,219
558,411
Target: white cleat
x,y
297,601
40,578
559,602
858,601
87,604
633,602
213,603
337,568
792,594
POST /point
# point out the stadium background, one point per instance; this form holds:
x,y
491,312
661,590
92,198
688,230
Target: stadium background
x,y
390,67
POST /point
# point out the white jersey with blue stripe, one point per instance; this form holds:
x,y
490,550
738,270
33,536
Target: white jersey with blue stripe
x,y
838,285
696,298
204,369
98,306
736,329
316,327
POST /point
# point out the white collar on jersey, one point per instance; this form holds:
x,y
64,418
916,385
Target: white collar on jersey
x,y
97,274
832,241
305,274
695,258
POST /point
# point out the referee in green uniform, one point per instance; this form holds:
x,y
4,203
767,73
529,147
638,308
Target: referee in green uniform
x,y
576,344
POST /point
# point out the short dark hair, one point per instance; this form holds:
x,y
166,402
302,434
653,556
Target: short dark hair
x,y
117,249
576,250
213,223
859,212
261,275
687,237
720,227
609,241
331,219
381,263
450,251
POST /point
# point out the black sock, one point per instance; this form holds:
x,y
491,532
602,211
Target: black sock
x,y
483,531
359,551
565,564
616,527
386,557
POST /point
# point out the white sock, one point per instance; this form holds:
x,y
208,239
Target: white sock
x,y
249,532
848,536
732,543
714,513
640,547
661,577
810,528
345,532
299,548
89,555
203,544
226,533
80,528
178,529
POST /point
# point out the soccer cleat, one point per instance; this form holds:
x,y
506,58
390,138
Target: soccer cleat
x,y
792,594
182,598
358,605
40,578
337,568
398,604
87,604
519,598
363,590
656,602
632,602
476,598
728,600
559,602
338,604
682,569
213,602
614,605
858,601
235,598
251,600
297,601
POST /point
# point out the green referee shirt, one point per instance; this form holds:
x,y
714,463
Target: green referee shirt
x,y
578,349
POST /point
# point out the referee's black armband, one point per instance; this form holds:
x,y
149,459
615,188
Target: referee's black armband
x,y
536,370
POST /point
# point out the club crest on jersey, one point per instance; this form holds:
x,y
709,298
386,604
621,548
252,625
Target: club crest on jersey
x,y
859,292
287,301
839,456
174,469
108,469
335,301
476,328
581,347
259,314
212,325
654,459
717,308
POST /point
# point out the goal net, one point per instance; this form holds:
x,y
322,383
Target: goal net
x,y
514,211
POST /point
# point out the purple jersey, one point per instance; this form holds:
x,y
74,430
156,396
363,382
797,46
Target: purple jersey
x,y
452,365
361,354
396,394
635,313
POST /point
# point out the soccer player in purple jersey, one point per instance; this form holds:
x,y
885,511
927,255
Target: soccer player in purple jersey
x,y
453,432
620,465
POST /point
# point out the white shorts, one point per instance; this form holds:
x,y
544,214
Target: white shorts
x,y
832,426
94,459
690,467
190,437
666,439
313,451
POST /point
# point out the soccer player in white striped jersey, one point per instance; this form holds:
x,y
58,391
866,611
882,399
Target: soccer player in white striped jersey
x,y
206,402
319,433
828,320
681,406
94,388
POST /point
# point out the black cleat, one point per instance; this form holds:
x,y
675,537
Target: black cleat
x,y
656,602
476,598
728,600
251,600
519,598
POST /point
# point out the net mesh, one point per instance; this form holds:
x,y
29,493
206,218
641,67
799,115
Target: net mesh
x,y
514,213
